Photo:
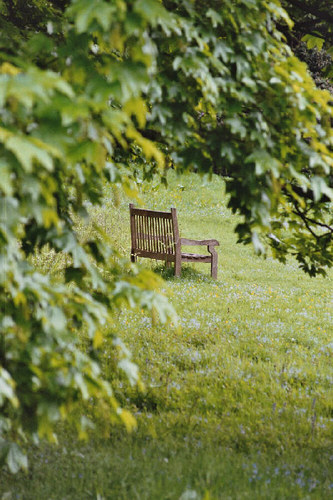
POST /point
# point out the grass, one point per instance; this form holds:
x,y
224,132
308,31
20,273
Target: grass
x,y
238,401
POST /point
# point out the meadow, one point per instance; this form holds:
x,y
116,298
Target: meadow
x,y
238,398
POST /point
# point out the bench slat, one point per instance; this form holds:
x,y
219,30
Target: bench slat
x,y
156,255
192,257
186,241
151,213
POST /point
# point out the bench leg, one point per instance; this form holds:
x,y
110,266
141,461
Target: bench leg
x,y
178,264
213,266
133,258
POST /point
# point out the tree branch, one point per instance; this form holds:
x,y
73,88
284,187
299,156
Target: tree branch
x,y
307,221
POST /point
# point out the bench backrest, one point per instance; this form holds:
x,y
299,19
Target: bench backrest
x,y
154,234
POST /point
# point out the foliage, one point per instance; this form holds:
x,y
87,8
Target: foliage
x,y
89,87
237,405
249,111
313,19
57,137
311,38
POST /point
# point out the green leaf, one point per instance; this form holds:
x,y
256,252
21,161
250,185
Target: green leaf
x,y
86,11
16,459
6,183
258,245
40,43
215,17
264,162
7,386
26,151
320,188
152,10
131,370
313,41
237,126
74,274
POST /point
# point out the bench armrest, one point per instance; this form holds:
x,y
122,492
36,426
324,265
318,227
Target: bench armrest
x,y
211,243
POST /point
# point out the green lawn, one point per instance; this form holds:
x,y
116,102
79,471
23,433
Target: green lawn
x,y
239,397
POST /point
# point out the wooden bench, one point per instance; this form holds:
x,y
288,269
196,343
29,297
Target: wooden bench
x,y
155,235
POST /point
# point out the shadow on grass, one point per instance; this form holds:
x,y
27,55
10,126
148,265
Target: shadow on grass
x,y
187,274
